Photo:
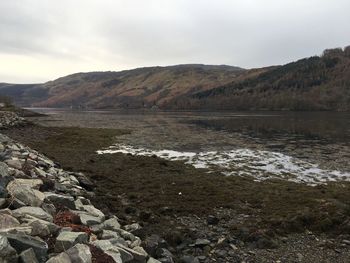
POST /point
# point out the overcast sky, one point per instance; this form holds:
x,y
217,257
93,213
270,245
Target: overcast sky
x,y
41,40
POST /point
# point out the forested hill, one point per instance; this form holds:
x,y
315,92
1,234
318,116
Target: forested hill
x,y
315,83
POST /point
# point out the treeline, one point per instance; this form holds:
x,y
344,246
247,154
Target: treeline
x,y
316,83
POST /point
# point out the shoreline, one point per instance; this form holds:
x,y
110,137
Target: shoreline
x,y
246,219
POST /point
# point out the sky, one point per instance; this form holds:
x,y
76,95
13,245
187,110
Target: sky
x,y
41,40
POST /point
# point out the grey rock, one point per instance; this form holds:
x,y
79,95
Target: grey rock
x,y
132,227
108,234
66,240
212,220
201,242
152,243
109,249
112,224
80,254
85,182
24,242
25,193
33,211
189,259
64,200
8,221
139,254
153,260
90,209
163,254
4,170
88,219
2,202
28,256
14,163
7,253
60,258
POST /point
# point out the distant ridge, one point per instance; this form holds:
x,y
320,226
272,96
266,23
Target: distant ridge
x,y
315,83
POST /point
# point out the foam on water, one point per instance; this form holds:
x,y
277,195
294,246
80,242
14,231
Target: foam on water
x,y
259,164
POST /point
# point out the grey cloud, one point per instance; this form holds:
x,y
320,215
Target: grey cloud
x,y
118,34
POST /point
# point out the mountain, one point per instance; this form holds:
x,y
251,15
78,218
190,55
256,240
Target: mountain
x,y
315,83
137,88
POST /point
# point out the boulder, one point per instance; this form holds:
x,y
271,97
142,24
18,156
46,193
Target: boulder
x,y
112,224
108,234
153,260
88,219
66,240
22,242
7,253
152,243
28,256
32,211
80,254
90,209
24,192
60,258
8,221
65,200
15,163
107,247
4,170
40,227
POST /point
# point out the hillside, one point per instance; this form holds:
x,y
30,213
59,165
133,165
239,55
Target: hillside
x,y
143,87
315,83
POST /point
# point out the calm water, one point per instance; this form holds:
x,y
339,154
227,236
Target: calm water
x,y
302,147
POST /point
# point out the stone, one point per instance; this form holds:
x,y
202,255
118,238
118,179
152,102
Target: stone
x,y
65,200
80,254
189,259
4,169
15,163
25,230
152,243
33,211
111,224
140,255
132,227
66,240
2,202
201,242
163,253
107,247
108,234
85,182
25,193
153,260
23,242
40,227
8,221
28,256
60,258
31,183
89,220
212,220
7,253
93,211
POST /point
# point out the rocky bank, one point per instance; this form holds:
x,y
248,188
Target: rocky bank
x,y
46,214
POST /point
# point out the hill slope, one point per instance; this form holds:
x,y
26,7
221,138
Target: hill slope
x,y
315,83
143,87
